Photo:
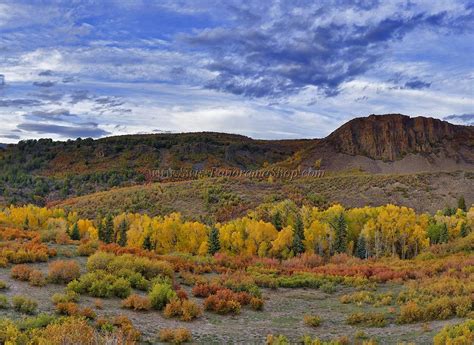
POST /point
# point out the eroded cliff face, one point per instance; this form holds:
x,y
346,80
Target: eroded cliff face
x,y
391,137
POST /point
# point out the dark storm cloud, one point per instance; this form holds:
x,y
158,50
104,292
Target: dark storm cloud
x,y
84,130
9,136
22,102
79,96
46,73
467,119
48,95
417,85
57,115
44,83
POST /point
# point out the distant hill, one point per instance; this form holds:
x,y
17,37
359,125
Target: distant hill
x,y
43,170
220,199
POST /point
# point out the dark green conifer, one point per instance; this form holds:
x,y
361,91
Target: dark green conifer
x,y
75,234
214,244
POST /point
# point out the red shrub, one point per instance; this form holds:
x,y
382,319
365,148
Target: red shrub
x,y
205,290
223,302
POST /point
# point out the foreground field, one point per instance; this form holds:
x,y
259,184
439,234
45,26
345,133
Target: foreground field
x,y
297,292
283,313
282,274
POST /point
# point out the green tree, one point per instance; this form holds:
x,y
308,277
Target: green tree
x,y
361,250
462,203
75,234
214,244
276,221
434,232
147,244
444,234
464,230
26,223
122,231
101,229
340,228
298,238
109,229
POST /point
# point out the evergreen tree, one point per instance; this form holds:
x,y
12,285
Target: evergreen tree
x,y
298,238
26,223
147,243
340,228
276,221
444,234
462,204
213,241
109,229
464,230
75,234
361,250
122,230
101,229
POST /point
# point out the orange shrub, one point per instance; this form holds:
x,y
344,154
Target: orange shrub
x,y
131,334
63,271
223,302
67,308
88,313
37,278
256,303
98,304
175,336
137,302
21,272
62,238
181,294
243,298
70,331
186,310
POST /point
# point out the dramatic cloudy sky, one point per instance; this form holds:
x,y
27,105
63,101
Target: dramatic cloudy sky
x,y
267,69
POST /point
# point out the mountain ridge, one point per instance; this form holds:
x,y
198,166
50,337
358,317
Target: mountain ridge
x,y
43,170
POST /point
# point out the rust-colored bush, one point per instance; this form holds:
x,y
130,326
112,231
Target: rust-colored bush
x,y
181,294
98,304
63,271
185,310
21,272
175,335
37,278
223,302
205,290
137,302
67,308
130,333
256,303
88,313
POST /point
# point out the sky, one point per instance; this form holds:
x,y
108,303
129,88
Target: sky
x,y
266,69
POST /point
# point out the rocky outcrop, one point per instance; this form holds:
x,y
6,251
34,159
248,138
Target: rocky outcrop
x,y
391,137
